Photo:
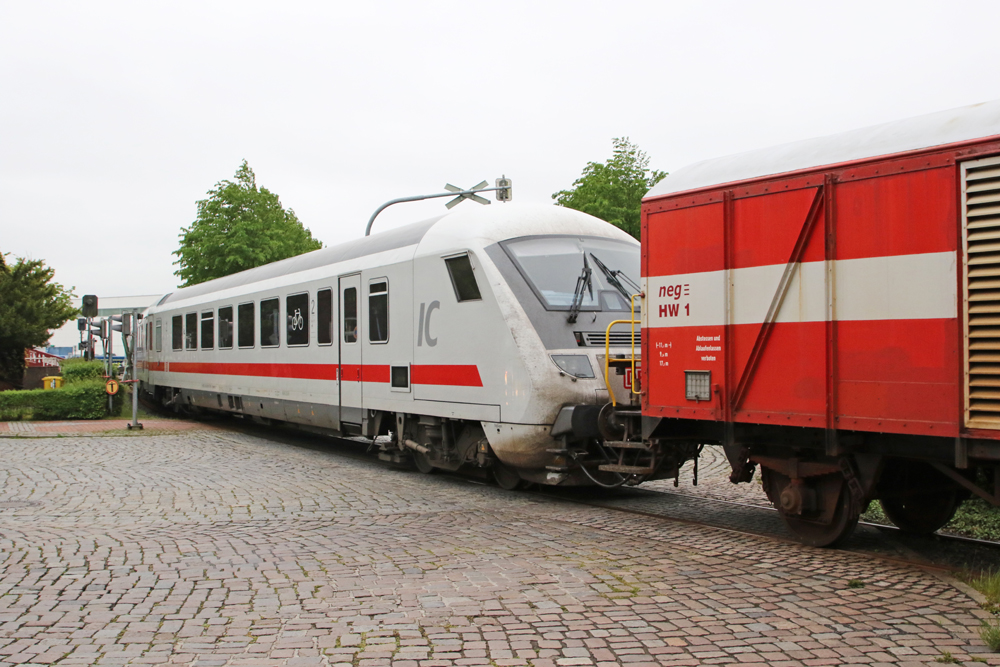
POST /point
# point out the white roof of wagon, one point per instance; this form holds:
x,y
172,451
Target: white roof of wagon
x,y
466,227
936,129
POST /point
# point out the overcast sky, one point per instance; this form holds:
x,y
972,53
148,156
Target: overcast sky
x,y
116,118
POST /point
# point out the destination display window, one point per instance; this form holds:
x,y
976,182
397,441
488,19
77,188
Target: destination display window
x,y
463,278
245,324
177,332
324,317
270,323
378,311
191,331
351,315
208,330
226,327
297,314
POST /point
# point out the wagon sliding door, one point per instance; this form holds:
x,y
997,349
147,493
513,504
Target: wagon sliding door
x,y
349,373
981,291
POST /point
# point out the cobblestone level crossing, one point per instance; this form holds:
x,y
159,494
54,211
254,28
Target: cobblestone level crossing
x,y
214,548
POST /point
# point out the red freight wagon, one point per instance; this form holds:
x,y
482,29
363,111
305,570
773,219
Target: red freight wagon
x,y
829,310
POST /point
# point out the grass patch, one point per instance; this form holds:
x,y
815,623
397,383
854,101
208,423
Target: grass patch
x,y
987,583
874,514
989,632
975,518
947,657
855,583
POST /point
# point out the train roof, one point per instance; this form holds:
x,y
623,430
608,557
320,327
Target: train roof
x,y
937,129
399,237
468,227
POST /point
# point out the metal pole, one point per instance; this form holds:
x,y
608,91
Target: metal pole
x,y
133,374
368,230
108,363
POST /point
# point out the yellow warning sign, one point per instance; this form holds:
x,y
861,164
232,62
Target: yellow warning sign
x,y
111,386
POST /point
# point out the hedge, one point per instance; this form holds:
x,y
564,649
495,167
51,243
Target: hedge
x,y
78,400
78,370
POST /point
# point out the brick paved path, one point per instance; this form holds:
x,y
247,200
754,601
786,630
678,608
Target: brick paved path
x,y
214,548
97,426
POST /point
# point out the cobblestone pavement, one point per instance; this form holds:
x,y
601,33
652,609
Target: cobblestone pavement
x,y
219,548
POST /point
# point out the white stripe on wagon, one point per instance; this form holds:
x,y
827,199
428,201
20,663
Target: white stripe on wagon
x,y
900,287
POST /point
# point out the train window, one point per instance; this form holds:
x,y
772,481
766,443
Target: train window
x,y
191,331
563,270
324,317
177,331
351,315
270,323
245,324
159,335
378,311
297,314
226,327
463,278
208,330
399,377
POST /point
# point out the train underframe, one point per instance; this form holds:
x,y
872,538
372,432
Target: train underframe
x,y
821,481
578,454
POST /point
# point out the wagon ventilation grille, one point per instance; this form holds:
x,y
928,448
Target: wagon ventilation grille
x,y
597,338
982,292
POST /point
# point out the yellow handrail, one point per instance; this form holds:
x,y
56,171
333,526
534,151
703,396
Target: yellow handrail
x,y
607,351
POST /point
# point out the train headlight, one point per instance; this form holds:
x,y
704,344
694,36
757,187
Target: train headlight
x,y
577,365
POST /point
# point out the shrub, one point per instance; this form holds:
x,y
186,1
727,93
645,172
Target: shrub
x,y
78,370
80,400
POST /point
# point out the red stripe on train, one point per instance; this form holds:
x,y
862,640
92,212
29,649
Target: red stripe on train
x,y
300,371
428,374
455,376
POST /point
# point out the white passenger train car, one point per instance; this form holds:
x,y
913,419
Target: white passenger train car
x,y
452,335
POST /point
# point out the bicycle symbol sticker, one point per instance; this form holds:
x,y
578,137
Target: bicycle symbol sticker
x,y
298,322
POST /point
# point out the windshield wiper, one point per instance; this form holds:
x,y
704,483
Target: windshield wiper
x,y
583,282
612,277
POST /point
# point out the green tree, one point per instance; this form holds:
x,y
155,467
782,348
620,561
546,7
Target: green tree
x,y
30,306
239,227
613,190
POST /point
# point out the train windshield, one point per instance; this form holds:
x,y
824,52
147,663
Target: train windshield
x,y
601,273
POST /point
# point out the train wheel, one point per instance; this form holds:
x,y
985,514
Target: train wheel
x,y
422,462
917,498
814,527
506,478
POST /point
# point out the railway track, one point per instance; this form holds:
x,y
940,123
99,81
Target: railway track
x,y
943,552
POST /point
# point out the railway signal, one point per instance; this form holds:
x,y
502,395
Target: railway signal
x,y
505,190
89,305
